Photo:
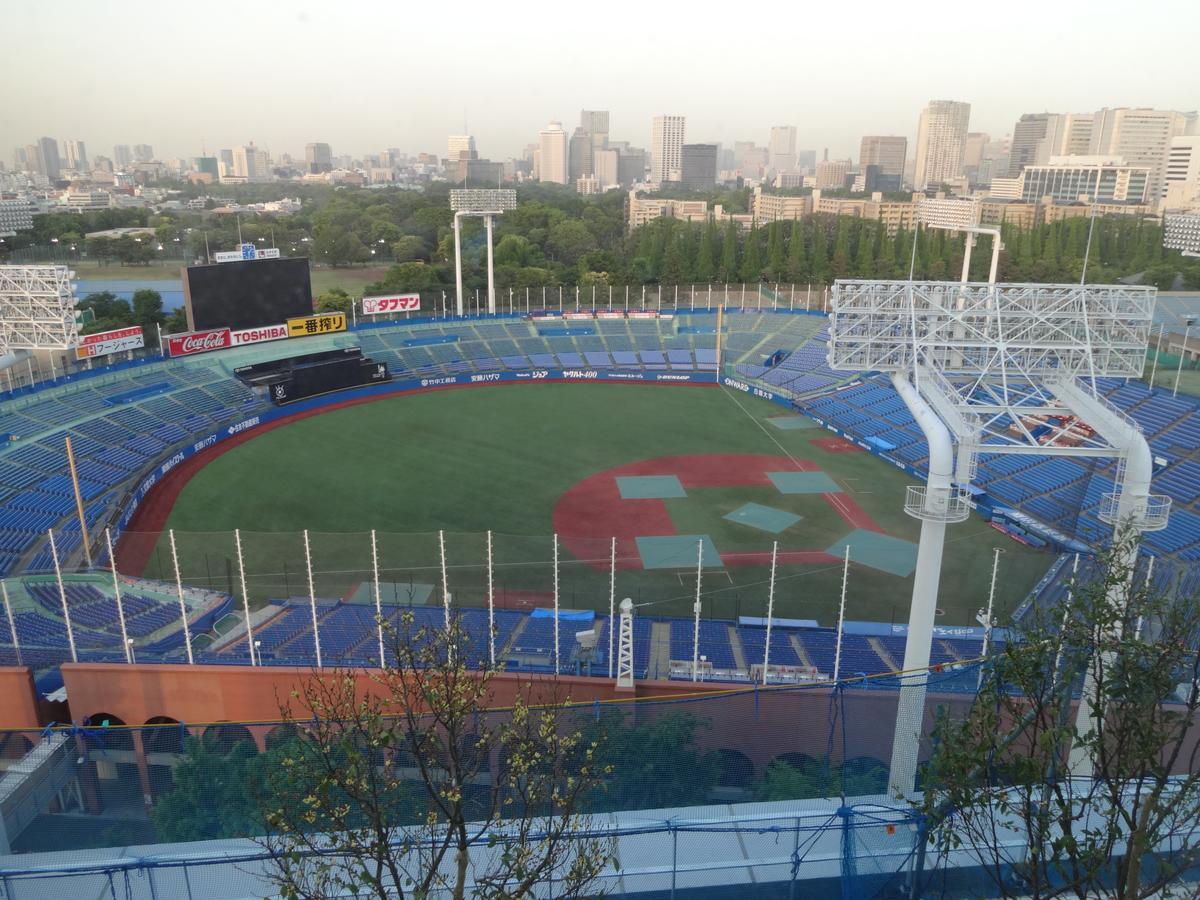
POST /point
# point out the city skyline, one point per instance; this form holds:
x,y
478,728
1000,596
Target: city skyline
x,y
361,106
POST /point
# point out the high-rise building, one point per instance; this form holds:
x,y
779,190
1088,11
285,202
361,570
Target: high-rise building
x,y
1067,134
76,155
1141,137
143,153
941,134
1182,178
461,146
251,163
887,151
806,160
1067,179
552,154
580,155
666,148
595,123
1027,135
833,173
606,166
123,156
47,151
631,165
781,150
698,166
318,158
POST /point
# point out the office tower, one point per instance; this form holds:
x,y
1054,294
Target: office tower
x,y
698,166
76,155
461,146
225,158
580,156
631,165
143,153
318,158
1027,134
47,151
206,165
595,123
781,149
1067,134
251,163
833,173
666,148
806,160
552,154
21,159
1182,177
1140,137
122,155
887,151
606,166
941,133
1068,178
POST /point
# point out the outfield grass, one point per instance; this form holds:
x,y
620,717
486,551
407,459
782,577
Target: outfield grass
x,y
498,458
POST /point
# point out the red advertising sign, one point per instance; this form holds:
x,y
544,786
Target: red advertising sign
x,y
374,306
102,343
199,342
259,335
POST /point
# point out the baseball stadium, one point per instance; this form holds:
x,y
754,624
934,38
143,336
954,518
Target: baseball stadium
x,y
710,503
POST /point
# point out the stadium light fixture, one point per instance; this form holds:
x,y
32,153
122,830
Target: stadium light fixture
x,y
37,308
1181,231
1007,368
484,203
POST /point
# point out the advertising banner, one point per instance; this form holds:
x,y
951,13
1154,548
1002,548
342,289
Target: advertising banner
x,y
374,306
259,335
103,343
326,323
199,342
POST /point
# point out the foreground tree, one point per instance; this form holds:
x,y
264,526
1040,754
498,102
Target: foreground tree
x,y
410,787
1051,808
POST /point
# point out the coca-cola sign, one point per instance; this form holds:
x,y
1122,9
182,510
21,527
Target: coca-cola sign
x,y
199,342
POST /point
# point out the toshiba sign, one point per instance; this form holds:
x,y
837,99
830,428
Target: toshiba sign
x,y
199,342
259,335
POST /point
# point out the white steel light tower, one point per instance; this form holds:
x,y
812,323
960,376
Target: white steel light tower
x,y
37,308
485,203
1006,368
960,214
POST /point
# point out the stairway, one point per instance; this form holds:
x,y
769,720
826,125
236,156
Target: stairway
x,y
660,650
882,651
739,655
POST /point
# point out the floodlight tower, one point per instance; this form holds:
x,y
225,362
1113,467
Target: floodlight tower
x,y
995,368
37,308
959,214
1181,231
485,203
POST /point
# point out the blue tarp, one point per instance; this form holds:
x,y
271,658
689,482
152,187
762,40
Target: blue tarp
x,y
876,441
564,615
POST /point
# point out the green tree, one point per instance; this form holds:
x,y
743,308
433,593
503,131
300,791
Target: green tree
x,y
568,241
751,269
409,248
797,261
409,276
776,266
706,256
820,778
334,300
148,310
653,764
728,270
410,783
214,794
1099,802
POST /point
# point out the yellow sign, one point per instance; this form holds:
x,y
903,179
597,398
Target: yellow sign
x,y
310,325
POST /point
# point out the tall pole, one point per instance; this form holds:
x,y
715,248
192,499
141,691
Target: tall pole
x,y
491,606
12,624
1187,331
445,583
987,621
612,599
770,611
1157,349
237,540
378,603
112,563
458,262
83,532
696,611
720,320
841,623
187,633
487,221
312,598
1137,633
556,603
62,595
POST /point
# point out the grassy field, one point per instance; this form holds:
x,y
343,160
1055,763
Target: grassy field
x,y
467,461
351,279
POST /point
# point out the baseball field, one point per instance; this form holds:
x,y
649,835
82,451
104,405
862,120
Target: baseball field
x,y
643,485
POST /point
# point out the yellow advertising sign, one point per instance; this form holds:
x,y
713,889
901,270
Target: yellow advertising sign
x,y
306,326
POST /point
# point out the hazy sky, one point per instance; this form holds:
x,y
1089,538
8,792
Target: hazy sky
x,y
365,76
